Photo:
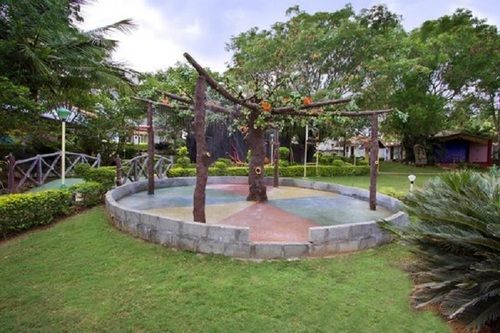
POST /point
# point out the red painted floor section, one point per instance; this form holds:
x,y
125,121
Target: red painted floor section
x,y
270,224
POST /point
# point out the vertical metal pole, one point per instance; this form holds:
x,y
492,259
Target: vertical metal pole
x,y
305,150
151,151
63,155
11,181
374,162
39,170
276,158
272,149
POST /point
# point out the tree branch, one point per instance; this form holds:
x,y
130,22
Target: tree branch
x,y
287,109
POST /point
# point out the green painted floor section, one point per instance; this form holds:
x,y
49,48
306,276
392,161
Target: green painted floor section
x,y
56,184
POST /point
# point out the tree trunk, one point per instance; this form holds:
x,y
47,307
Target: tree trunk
x,y
202,156
276,158
374,163
257,188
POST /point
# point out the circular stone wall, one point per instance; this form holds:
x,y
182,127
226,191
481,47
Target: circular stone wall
x,y
235,241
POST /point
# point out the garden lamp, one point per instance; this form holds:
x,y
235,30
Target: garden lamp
x,y
412,178
63,114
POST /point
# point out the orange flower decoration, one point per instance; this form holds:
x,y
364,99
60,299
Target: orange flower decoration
x,y
265,105
307,100
165,101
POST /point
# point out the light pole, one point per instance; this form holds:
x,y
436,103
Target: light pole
x,y
272,148
63,114
412,178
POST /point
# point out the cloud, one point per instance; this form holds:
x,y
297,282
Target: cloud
x,y
151,45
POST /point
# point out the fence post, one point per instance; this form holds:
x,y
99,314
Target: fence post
x,y
98,159
39,170
118,163
11,162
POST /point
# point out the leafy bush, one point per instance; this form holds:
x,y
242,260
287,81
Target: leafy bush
x,y
290,171
338,163
103,175
220,168
183,161
182,151
456,237
92,193
284,153
20,212
362,162
226,161
81,169
326,159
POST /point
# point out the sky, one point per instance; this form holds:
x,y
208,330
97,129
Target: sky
x,y
168,28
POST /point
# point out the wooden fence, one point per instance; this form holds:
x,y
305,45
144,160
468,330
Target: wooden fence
x,y
136,168
36,170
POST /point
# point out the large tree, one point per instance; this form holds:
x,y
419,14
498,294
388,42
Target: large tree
x,y
43,51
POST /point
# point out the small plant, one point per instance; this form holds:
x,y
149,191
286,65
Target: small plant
x,y
183,161
182,151
284,153
338,163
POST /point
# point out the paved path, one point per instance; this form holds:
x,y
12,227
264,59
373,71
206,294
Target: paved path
x,y
56,184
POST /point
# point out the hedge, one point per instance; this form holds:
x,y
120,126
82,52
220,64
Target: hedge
x,y
103,175
20,212
90,193
289,171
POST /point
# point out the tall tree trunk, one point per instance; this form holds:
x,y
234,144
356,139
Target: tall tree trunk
x,y
202,156
257,189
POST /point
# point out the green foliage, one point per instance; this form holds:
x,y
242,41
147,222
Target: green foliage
x,y
182,151
226,161
92,193
289,171
362,162
81,169
284,153
103,175
182,161
326,159
338,163
20,212
456,236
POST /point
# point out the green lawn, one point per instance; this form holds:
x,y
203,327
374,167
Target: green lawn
x,y
393,178
84,275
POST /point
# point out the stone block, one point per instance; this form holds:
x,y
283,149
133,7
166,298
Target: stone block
x,y
169,225
349,246
194,230
320,186
295,250
318,235
238,250
222,234
368,242
143,231
268,250
208,246
164,238
361,230
187,244
338,232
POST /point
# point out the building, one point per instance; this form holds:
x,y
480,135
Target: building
x,y
461,147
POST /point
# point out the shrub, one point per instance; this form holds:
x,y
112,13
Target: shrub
x,y
182,151
183,161
326,159
456,238
81,169
362,162
226,161
220,168
20,212
284,153
338,163
92,193
289,171
103,175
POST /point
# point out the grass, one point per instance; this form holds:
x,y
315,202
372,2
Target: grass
x,y
84,275
392,180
